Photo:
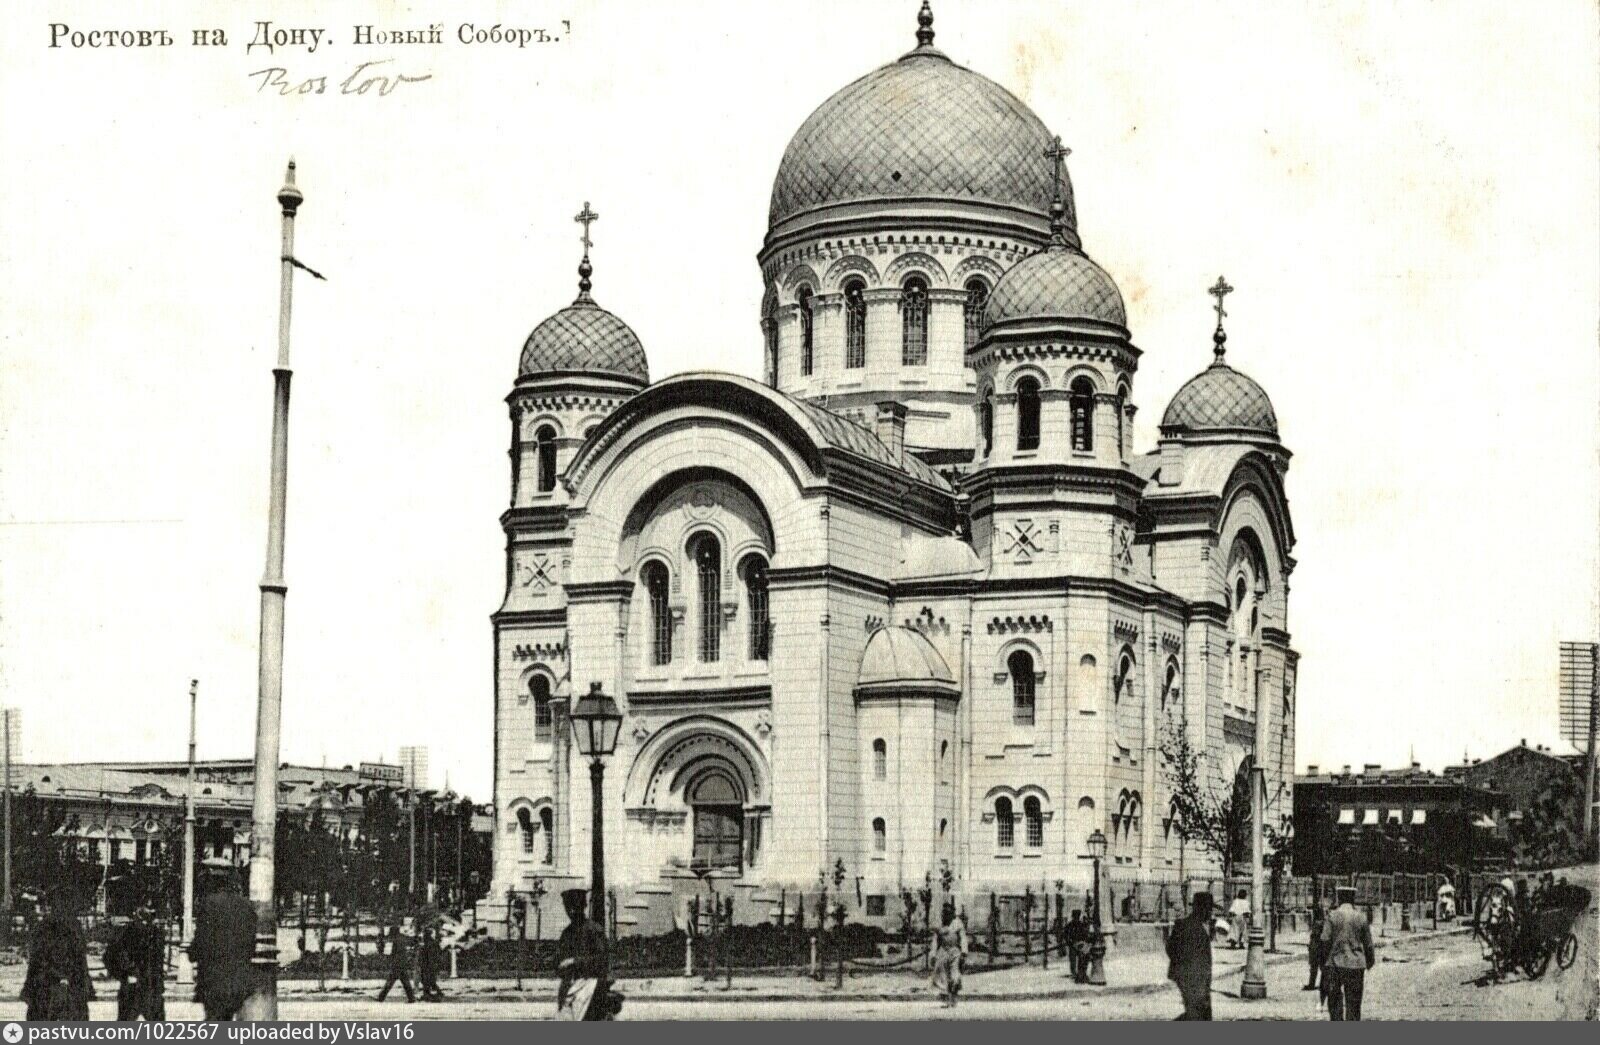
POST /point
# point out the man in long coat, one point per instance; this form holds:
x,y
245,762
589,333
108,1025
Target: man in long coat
x,y
224,944
135,958
1189,958
57,984
1347,936
583,963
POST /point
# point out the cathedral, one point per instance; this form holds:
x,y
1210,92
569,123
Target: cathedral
x,y
913,603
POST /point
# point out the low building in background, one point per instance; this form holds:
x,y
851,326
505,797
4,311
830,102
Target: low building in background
x,y
126,819
1394,820
1543,800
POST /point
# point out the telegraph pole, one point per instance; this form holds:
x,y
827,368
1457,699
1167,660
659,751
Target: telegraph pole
x,y
263,1001
5,897
1254,985
188,829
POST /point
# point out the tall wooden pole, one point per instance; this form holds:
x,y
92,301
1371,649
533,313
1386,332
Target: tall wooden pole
x,y
1254,984
188,828
1591,800
5,896
263,1002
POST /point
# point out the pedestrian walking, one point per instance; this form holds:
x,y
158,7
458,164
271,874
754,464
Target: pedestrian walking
x,y
224,943
399,966
429,956
1347,935
57,986
1315,953
136,960
1239,915
1189,958
949,949
1077,936
583,962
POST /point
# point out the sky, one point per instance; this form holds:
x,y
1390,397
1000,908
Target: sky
x,y
1404,195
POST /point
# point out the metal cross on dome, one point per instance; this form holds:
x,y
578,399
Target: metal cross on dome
x,y
1219,291
586,217
1057,152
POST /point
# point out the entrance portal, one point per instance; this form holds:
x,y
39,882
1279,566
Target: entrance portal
x,y
718,821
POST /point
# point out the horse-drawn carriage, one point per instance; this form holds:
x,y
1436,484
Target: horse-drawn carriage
x,y
1524,936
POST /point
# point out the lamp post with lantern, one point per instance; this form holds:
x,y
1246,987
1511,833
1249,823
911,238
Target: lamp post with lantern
x,y
595,725
1097,944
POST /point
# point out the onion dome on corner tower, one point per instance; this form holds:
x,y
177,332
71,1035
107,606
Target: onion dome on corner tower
x,y
584,338
1220,403
1059,282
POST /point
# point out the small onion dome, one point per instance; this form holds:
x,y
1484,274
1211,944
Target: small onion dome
x,y
1220,399
1059,283
899,658
585,338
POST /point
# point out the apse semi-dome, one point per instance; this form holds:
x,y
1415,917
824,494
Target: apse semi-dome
x,y
1220,399
898,657
919,129
585,338
1055,284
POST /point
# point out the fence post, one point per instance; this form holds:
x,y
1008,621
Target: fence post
x,y
816,973
994,928
688,954
344,969
455,953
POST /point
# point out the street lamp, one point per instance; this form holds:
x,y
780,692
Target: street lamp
x,y
595,725
1097,945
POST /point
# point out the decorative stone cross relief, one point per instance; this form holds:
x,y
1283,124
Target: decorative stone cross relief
x,y
535,571
1022,541
1122,547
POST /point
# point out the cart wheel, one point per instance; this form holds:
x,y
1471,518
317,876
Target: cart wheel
x,y
1568,952
1536,965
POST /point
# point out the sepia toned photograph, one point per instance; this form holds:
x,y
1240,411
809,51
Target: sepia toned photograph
x,y
896,510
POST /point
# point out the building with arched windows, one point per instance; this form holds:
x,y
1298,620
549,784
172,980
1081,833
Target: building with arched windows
x,y
915,601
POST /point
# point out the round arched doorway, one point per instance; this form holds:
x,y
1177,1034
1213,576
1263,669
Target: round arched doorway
x,y
717,802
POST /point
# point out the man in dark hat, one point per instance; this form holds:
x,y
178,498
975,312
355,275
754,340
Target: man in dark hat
x,y
1189,958
1077,937
399,966
429,956
224,944
1347,936
134,957
57,985
583,963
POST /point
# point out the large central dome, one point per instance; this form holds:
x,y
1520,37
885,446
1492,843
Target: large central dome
x,y
919,128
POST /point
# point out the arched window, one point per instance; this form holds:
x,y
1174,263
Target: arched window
x,y
1005,827
880,760
525,828
769,331
977,298
655,586
1081,401
914,322
1135,815
1028,414
547,824
543,716
1122,419
1020,666
855,324
707,556
1123,683
880,835
544,441
755,589
1033,817
986,422
1169,689
807,330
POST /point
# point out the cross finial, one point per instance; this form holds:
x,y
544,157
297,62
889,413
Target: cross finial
x,y
585,217
1057,153
925,25
1219,338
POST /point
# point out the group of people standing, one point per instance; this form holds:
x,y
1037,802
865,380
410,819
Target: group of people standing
x,y
1340,951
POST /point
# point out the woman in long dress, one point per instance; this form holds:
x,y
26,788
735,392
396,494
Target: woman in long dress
x,y
949,943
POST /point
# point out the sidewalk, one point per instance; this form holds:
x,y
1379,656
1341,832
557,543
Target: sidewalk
x,y
1125,974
